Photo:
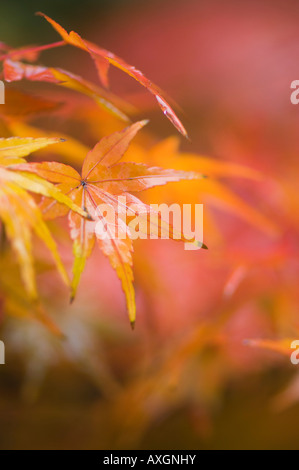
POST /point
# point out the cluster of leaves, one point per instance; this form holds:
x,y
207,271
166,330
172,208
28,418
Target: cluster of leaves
x,y
66,192
210,318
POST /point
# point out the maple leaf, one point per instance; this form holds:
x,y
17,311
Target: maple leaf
x,y
21,215
102,180
14,71
104,58
72,149
12,152
19,212
14,149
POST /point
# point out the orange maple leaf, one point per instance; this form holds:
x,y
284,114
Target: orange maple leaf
x,y
102,180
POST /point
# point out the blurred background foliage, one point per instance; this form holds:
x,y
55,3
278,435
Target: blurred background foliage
x,y
186,378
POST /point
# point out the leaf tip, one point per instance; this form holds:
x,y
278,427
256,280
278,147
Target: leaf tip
x,y
141,124
200,245
133,322
199,176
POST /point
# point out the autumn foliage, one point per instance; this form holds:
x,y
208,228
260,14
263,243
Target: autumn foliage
x,y
69,144
102,176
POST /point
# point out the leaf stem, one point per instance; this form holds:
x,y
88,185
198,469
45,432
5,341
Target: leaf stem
x,y
33,49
